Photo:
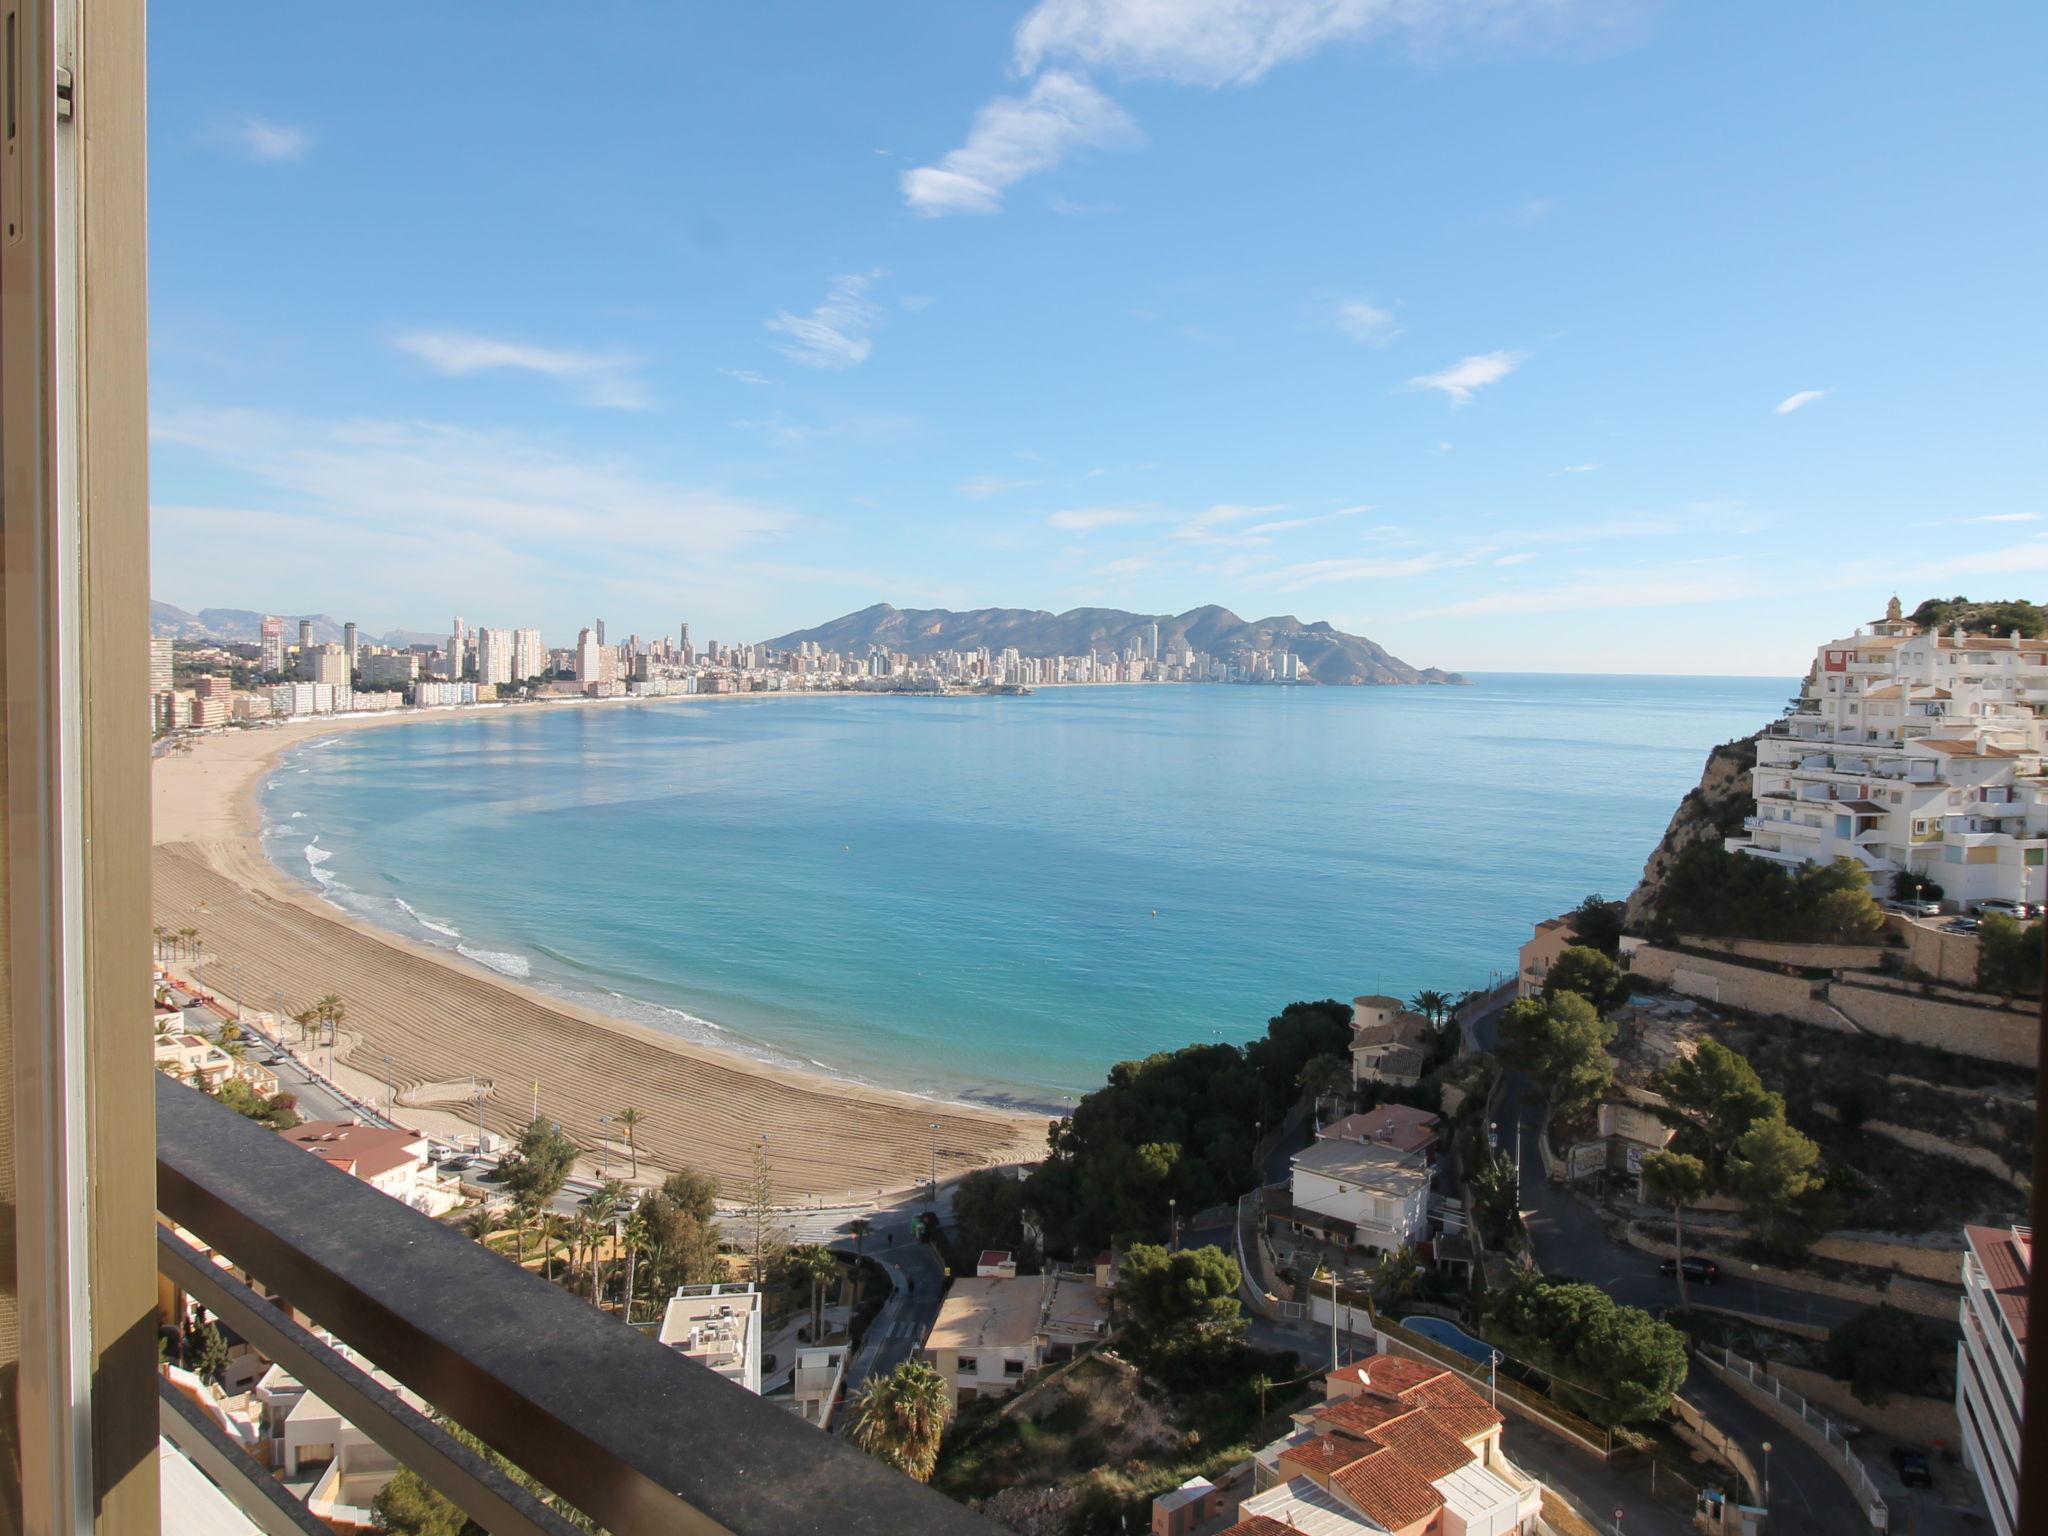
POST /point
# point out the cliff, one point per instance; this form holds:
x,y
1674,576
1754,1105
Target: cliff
x,y
1328,655
1711,810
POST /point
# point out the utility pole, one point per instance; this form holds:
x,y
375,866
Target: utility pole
x,y
1493,1377
1334,1361
935,1164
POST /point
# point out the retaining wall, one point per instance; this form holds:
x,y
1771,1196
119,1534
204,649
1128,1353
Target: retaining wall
x,y
1909,1295
1944,1266
1904,1415
1950,956
1991,1033
1703,1433
1733,984
1826,957
1938,1146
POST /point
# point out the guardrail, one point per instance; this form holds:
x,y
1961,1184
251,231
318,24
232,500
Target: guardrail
x,y
614,1423
1794,1411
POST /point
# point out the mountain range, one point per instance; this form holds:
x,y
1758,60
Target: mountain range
x,y
1327,654
244,626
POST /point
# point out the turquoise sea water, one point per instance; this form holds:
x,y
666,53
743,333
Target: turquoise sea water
x,y
1001,897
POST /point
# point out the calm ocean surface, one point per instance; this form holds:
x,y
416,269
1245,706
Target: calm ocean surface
x,y
1002,897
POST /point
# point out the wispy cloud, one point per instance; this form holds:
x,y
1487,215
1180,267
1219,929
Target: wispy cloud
x,y
835,334
1087,519
2006,517
1234,42
1519,557
601,378
1289,524
1590,591
1316,573
1469,374
1014,137
1213,525
1365,322
982,487
1576,469
1801,400
744,375
259,139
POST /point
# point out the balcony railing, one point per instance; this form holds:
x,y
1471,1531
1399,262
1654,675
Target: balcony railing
x,y
611,1421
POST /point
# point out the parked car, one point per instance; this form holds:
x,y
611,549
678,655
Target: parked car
x,y
1912,1467
1961,925
1915,906
1998,906
1704,1271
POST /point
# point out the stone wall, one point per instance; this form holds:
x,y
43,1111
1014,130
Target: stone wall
x,y
1825,957
1733,984
1991,1034
1901,1291
1944,1266
1917,1420
1951,957
1937,1146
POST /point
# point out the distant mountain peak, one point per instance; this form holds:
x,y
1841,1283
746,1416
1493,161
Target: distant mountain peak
x,y
1328,655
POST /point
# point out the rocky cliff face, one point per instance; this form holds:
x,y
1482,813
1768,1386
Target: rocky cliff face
x,y
1709,812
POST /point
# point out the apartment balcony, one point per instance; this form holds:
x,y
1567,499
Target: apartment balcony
x,y
611,1421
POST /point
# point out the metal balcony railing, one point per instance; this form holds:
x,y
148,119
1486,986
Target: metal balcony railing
x,y
622,1427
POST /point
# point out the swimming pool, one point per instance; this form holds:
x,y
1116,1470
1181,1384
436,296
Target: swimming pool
x,y
1450,1335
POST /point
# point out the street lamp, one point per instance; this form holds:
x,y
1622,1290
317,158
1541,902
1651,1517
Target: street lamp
x,y
1767,1474
935,1162
1172,1223
603,1145
390,1095
1493,1359
1617,1520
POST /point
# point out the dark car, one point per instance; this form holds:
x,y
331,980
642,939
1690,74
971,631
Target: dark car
x,y
1912,1466
1705,1271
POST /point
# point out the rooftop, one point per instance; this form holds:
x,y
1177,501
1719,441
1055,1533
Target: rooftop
x,y
1000,1313
2006,1255
1397,1125
364,1150
1362,1163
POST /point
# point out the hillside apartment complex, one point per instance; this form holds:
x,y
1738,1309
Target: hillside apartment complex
x,y
1991,1363
1913,751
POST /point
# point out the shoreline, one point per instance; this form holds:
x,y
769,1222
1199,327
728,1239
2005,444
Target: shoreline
x,y
442,1020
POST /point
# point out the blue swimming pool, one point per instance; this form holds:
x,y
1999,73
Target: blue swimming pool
x,y
1450,1335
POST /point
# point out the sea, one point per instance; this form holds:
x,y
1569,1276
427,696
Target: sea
x,y
997,898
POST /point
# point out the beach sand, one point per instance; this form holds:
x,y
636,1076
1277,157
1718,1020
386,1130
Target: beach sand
x,y
442,1021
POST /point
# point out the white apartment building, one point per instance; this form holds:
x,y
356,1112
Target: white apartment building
x,y
1371,1193
593,663
1912,751
388,669
1991,1363
494,656
718,1326
529,656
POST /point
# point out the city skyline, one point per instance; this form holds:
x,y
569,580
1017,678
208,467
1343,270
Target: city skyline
x,y
1111,306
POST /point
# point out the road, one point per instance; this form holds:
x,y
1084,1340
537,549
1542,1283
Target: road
x,y
318,1099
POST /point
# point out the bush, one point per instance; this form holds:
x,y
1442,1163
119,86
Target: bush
x,y
1882,1350
1719,894
1614,1364
2009,956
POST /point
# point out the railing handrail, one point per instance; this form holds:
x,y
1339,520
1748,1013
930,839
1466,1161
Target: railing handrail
x,y
621,1426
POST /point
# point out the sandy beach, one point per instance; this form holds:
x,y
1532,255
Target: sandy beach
x,y
442,1021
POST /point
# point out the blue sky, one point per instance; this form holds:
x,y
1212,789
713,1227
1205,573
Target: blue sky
x,y
1587,335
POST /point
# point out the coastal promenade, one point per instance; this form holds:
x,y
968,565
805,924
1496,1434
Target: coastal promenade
x,y
444,1023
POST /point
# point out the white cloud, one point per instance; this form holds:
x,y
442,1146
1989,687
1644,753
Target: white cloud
x,y
1315,573
835,334
1577,469
1288,524
1804,398
1365,322
1086,519
981,487
1130,565
1014,137
2006,517
603,379
1468,374
744,375
498,489
270,143
1231,42
1518,558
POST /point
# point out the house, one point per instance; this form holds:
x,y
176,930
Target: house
x,y
1179,1510
1991,1363
817,1381
718,1326
994,1330
1553,936
393,1161
1397,1446
325,1459
1370,1192
194,1059
1389,1042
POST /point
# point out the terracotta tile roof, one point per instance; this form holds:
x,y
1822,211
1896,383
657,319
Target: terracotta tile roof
x,y
1358,1416
1418,1439
2006,1254
1323,1455
1396,1125
1261,1525
364,1150
1384,1487
1391,1373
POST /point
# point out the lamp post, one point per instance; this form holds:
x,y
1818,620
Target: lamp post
x,y
935,1163
604,1148
1767,1474
1493,1359
1617,1519
390,1094
1172,1224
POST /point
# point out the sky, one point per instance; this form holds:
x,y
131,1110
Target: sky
x,y
1531,335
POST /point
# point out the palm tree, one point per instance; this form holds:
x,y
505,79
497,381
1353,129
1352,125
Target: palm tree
x,y
1431,1005
483,1221
527,1203
628,1119
157,935
901,1417
815,1263
188,941
636,1241
860,1227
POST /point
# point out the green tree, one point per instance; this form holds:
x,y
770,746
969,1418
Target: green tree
x,y
1496,1202
695,1194
1614,1364
629,1121
1597,924
901,1417
1561,1042
1676,1179
1771,1169
279,1111
409,1506
1882,1350
814,1263
763,1241
1179,1300
1324,1078
206,1350
988,1212
540,1164
2009,956
1589,973
1718,1092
